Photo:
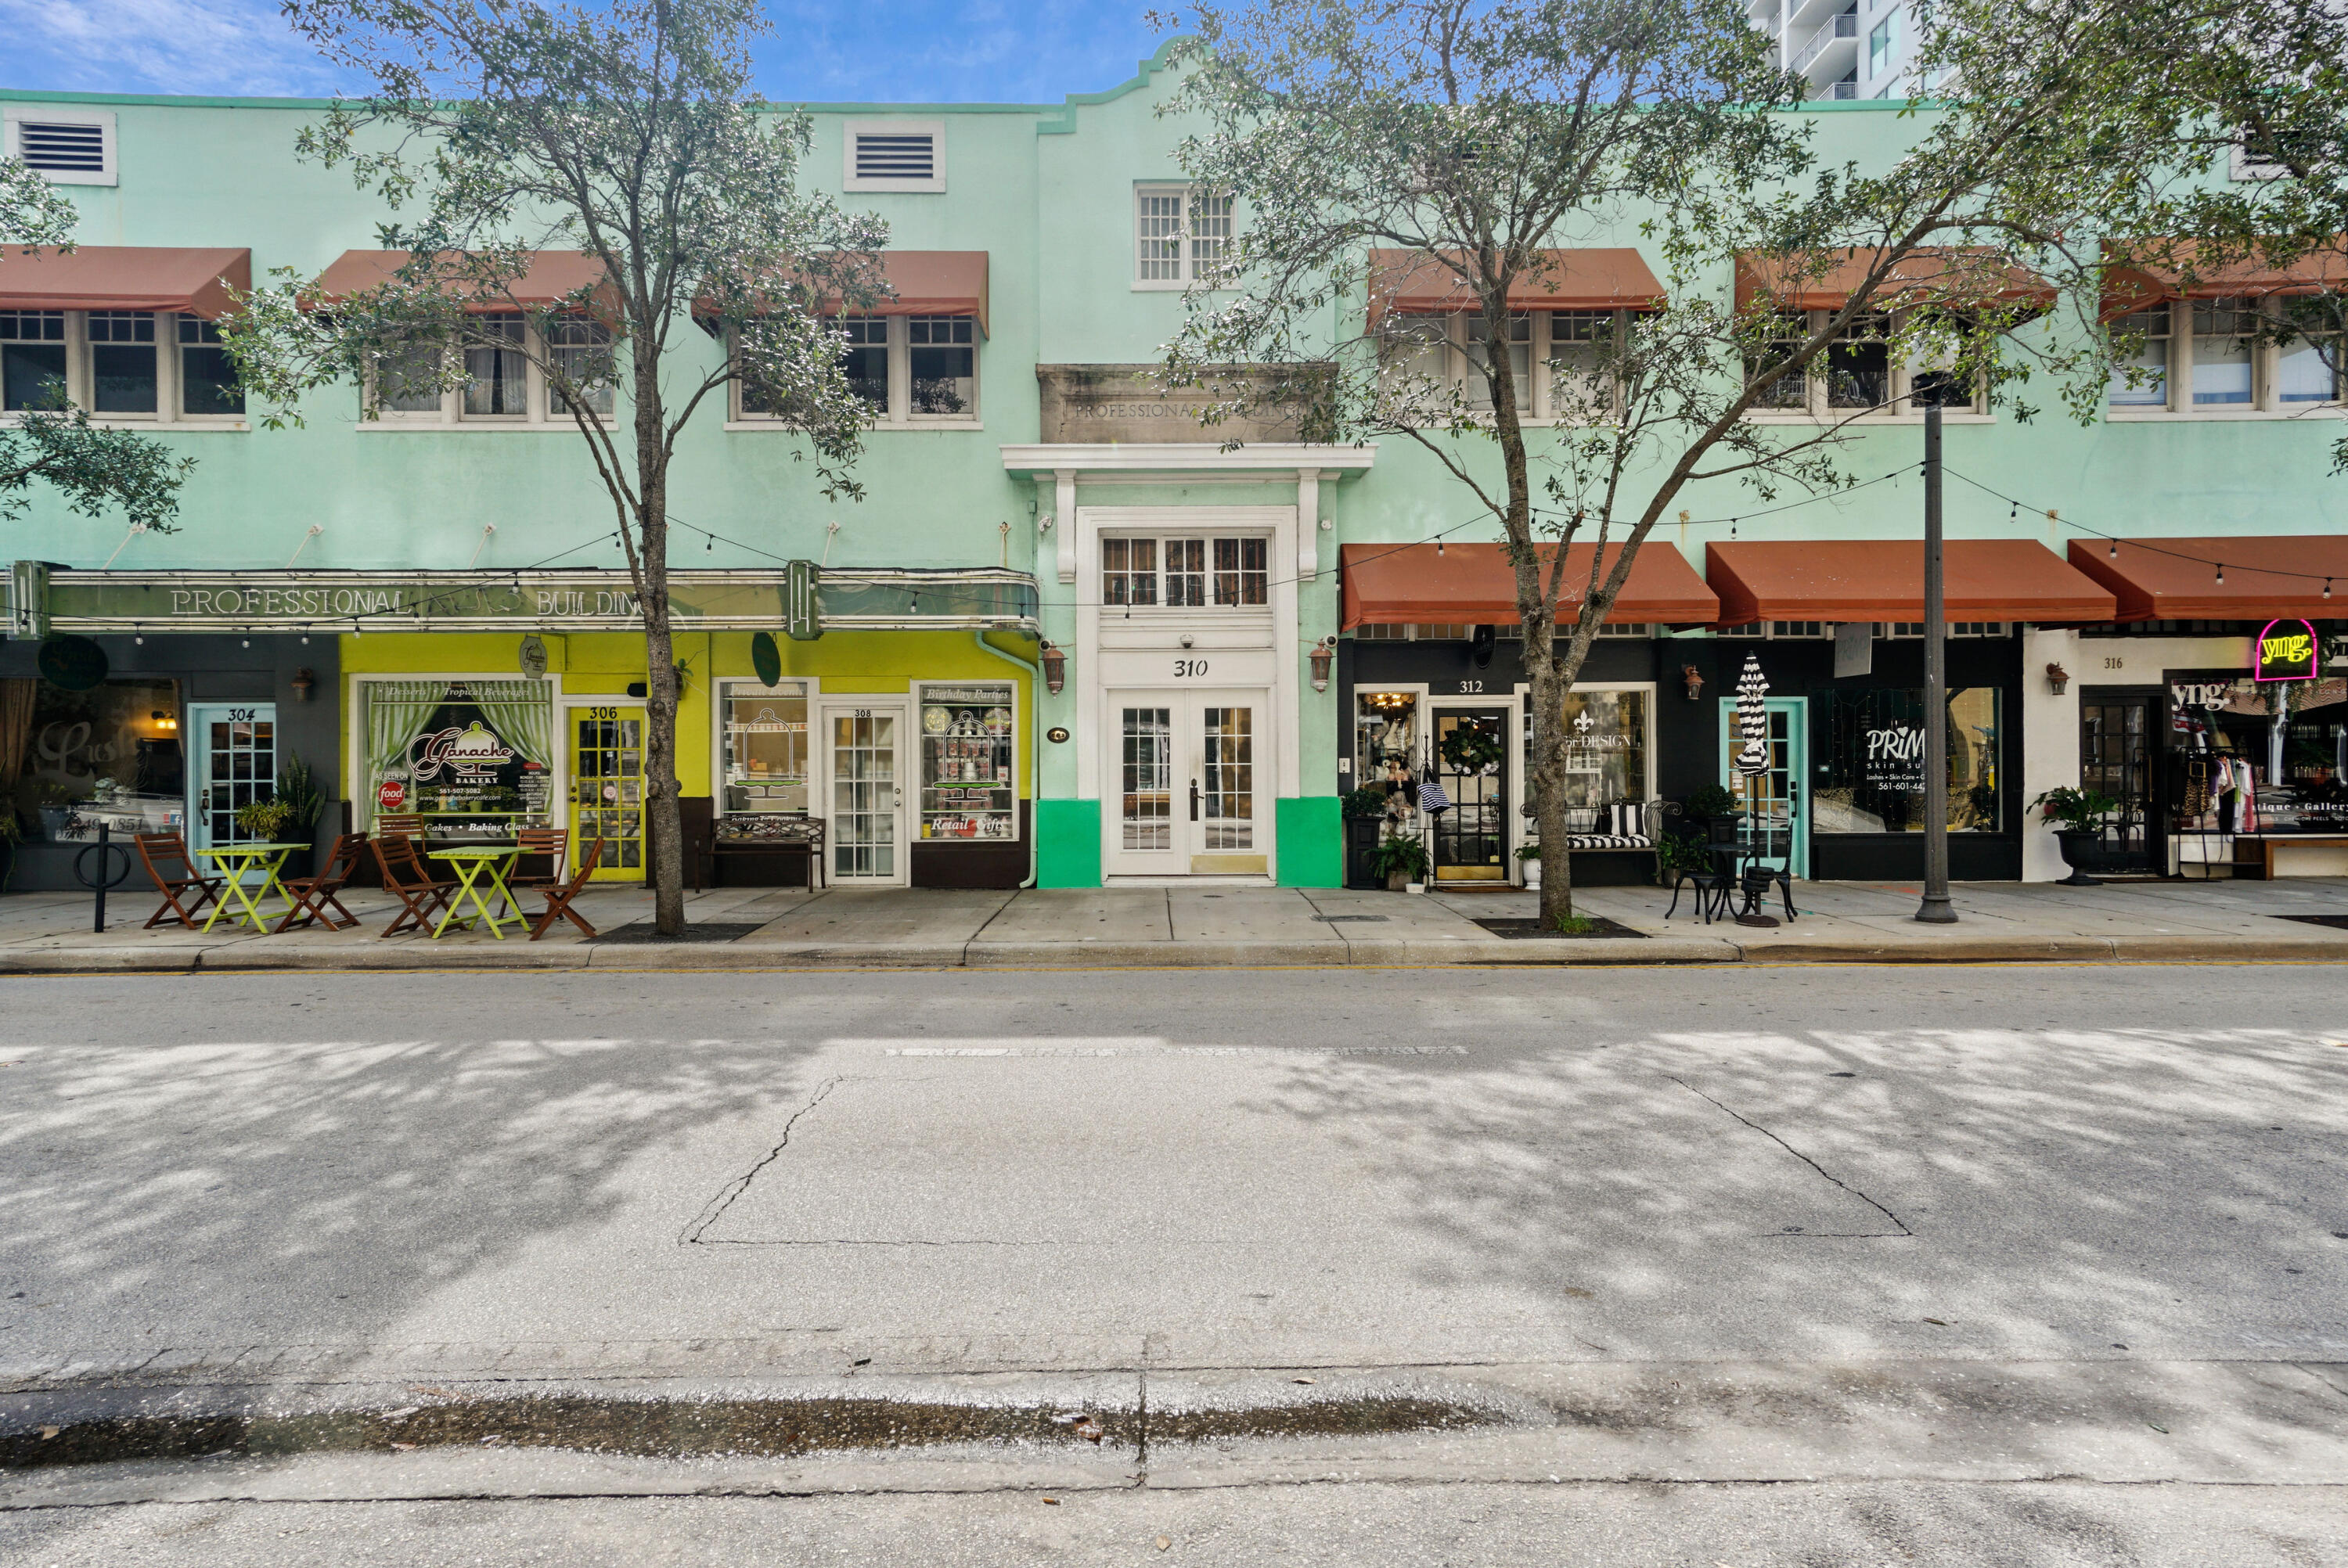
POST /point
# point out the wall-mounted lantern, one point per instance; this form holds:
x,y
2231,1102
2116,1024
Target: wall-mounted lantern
x,y
2057,678
1056,669
1323,653
303,684
1695,683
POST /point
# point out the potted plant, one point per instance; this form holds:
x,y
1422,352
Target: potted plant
x,y
1364,810
265,821
1401,859
1528,856
1705,804
2080,813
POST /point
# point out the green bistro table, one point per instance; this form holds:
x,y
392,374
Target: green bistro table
x,y
471,863
235,862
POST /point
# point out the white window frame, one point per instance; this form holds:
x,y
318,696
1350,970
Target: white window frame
x,y
1186,271
725,686
541,410
899,414
935,129
1819,410
81,378
58,114
1542,407
1522,827
1162,538
2266,391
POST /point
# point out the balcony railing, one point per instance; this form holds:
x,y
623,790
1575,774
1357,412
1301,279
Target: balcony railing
x,y
1843,90
1837,27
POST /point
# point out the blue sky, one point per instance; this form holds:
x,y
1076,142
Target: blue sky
x,y
930,51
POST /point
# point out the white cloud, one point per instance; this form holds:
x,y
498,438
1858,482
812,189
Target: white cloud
x,y
240,46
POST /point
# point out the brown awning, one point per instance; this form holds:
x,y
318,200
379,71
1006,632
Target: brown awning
x,y
2267,575
1601,279
555,276
922,283
123,278
1883,580
1473,584
1942,275
2132,284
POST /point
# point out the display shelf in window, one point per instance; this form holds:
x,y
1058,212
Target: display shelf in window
x,y
765,759
969,780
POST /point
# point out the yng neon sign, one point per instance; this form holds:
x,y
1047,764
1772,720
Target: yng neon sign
x,y
2286,652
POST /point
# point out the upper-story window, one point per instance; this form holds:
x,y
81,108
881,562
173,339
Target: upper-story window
x,y
1882,44
1862,373
2222,358
505,379
1186,571
1557,360
1179,232
117,364
909,370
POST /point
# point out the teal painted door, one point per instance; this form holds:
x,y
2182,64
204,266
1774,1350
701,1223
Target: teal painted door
x,y
1777,792
232,758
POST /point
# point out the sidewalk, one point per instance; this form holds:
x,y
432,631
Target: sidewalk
x,y
1212,926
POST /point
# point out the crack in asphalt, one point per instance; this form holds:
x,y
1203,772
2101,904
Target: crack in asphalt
x,y
1813,1164
716,1206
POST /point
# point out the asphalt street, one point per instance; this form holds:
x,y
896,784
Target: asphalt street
x,y
1090,1175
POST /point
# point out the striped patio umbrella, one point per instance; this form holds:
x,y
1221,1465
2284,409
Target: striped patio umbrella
x,y
1753,719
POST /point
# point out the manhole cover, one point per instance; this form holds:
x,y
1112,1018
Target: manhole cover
x,y
1351,919
695,931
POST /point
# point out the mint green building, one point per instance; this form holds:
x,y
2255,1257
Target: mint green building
x,y
1067,636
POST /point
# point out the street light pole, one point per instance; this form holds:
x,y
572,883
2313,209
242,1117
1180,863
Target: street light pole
x,y
1935,910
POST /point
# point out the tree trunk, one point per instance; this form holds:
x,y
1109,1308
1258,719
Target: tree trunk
x,y
1548,779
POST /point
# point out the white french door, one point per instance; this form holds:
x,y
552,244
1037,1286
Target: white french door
x,y
1190,776
864,756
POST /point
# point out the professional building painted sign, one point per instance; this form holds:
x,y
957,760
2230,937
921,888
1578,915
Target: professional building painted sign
x,y
872,598
2285,650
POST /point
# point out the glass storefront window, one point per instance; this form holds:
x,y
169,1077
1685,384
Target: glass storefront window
x,y
766,756
76,757
1605,747
968,787
1873,778
1386,746
474,757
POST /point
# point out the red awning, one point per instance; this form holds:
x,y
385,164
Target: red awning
x,y
555,276
1603,279
2135,285
1473,584
922,283
2267,575
123,278
1883,580
1942,275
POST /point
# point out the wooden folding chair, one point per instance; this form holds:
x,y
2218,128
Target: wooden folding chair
x,y
165,856
535,843
315,896
558,898
405,878
410,826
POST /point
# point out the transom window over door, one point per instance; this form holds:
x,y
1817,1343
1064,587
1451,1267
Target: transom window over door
x,y
1189,572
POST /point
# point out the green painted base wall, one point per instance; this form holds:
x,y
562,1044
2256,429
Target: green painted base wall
x,y
1311,842
1067,843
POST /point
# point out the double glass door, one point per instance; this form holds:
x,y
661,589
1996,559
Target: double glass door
x,y
865,834
607,788
1186,772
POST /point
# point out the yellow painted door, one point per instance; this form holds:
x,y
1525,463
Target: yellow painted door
x,y
607,789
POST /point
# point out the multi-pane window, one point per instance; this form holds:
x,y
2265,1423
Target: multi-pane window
x,y
580,352
1882,44
1180,234
1187,573
32,359
2309,369
122,361
1578,344
497,375
407,378
208,382
908,369
1128,572
943,361
1792,390
2141,379
1858,365
1241,574
1520,361
2224,332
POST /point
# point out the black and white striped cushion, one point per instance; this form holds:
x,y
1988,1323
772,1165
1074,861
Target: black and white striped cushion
x,y
1608,841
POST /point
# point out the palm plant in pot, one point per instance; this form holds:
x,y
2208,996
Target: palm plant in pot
x,y
2079,814
1401,858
